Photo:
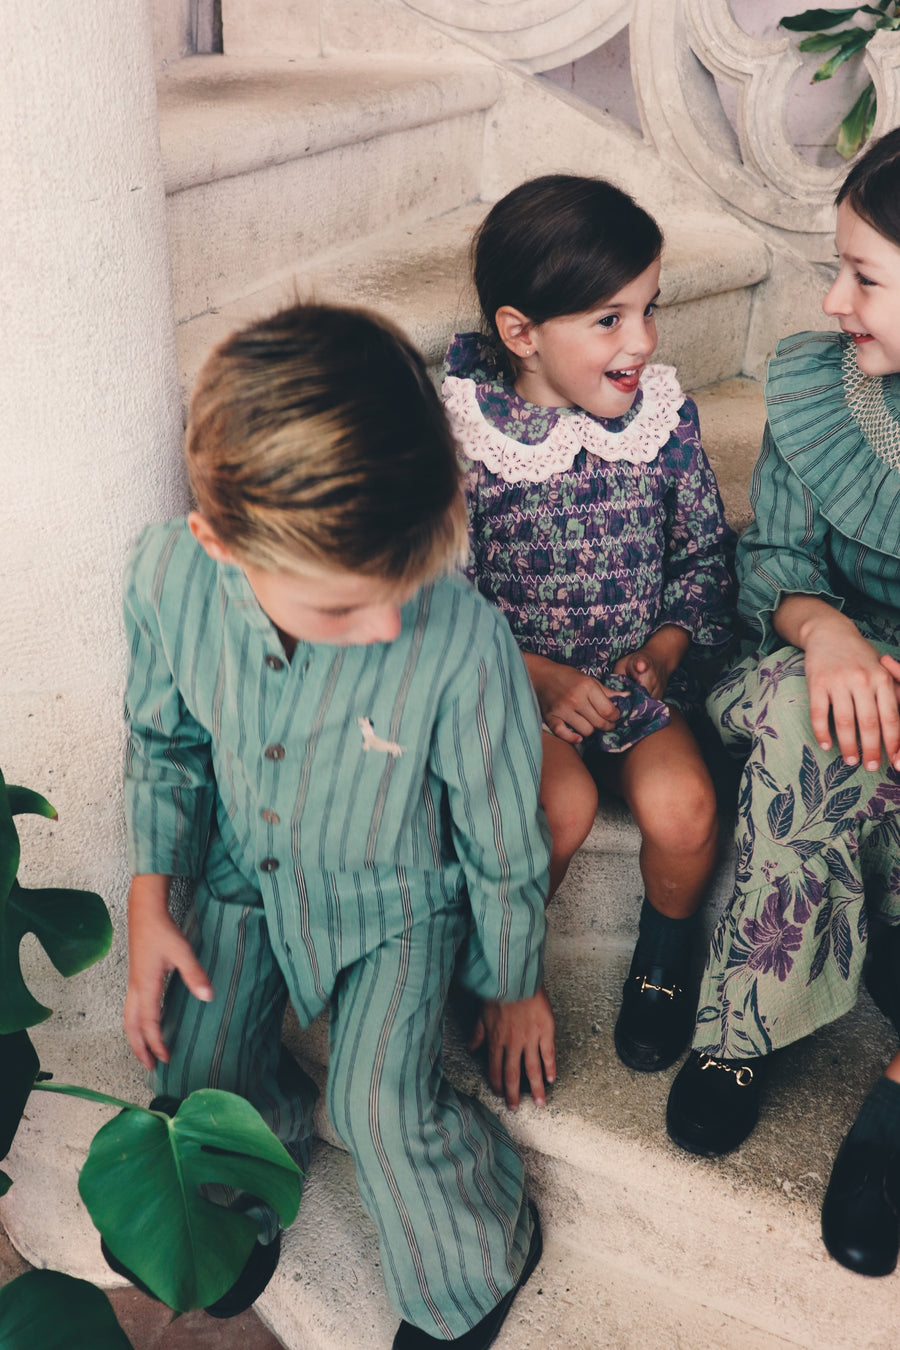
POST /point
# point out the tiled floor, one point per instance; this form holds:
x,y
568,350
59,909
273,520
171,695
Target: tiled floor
x,y
149,1325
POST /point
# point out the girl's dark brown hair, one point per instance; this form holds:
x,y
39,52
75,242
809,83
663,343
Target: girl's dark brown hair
x,y
872,187
316,439
559,245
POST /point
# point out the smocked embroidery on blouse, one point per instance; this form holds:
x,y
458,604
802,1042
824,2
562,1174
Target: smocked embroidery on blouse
x,y
638,440
866,400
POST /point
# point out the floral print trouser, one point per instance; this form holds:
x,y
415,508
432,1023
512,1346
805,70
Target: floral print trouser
x,y
817,845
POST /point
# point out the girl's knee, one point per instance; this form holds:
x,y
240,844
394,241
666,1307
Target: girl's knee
x,y
680,814
570,817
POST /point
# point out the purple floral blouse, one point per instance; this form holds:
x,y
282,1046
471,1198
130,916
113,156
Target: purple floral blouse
x,y
588,534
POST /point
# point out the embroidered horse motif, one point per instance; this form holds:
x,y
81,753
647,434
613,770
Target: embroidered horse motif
x,y
373,742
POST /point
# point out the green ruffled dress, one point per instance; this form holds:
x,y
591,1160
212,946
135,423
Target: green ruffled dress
x,y
818,841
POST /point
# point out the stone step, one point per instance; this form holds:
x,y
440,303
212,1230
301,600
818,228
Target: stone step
x,y
419,275
268,161
645,1243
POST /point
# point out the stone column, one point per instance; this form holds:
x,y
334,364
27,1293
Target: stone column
x,y
90,433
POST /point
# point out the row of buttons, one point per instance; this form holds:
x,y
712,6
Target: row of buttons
x,y
272,752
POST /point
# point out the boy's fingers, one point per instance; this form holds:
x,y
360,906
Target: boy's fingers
x,y
140,1044
155,1043
476,1040
195,978
548,1056
534,1072
512,1078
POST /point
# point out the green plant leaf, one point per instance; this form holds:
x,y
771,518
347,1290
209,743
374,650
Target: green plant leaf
x,y
857,125
19,1066
46,1310
72,926
5,1182
856,39
820,42
23,801
141,1184
9,844
811,20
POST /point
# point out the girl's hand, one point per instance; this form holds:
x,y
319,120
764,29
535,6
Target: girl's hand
x,y
521,1037
848,682
156,946
571,703
652,664
892,666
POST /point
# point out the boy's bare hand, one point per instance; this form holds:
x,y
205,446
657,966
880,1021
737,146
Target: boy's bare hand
x,y
572,704
520,1036
156,946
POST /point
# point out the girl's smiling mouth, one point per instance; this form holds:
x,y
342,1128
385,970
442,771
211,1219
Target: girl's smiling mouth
x,y
625,380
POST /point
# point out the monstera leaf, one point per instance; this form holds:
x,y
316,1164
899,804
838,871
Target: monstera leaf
x,y
19,1068
45,1310
141,1184
72,926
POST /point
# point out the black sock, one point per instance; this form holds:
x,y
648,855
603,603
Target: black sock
x,y
878,1121
663,941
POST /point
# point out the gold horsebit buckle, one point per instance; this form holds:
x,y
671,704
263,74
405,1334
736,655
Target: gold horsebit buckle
x,y
644,985
744,1075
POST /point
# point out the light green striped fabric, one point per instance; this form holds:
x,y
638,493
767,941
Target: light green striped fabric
x,y
255,771
826,503
357,818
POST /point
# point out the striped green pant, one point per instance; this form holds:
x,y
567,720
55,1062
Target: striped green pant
x,y
436,1171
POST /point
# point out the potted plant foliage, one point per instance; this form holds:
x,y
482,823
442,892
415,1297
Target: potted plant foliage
x,y
144,1175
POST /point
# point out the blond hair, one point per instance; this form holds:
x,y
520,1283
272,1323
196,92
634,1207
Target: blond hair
x,y
315,439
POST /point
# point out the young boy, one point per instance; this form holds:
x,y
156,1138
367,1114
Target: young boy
x,y
337,738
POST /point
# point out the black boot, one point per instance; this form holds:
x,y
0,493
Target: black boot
x,y
714,1103
861,1211
655,1021
656,1018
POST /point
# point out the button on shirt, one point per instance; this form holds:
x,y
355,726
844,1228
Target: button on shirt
x,y
388,778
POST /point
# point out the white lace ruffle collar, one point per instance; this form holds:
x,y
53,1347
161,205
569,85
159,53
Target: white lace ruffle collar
x,y
639,441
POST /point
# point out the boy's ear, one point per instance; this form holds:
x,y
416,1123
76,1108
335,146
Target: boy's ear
x,y
516,332
207,538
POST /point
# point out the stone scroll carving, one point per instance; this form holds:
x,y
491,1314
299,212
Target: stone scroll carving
x,y
534,35
677,47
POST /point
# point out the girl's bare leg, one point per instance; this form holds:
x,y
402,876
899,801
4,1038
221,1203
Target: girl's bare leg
x,y
670,793
569,798
668,789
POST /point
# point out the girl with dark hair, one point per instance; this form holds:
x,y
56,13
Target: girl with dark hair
x,y
814,708
597,529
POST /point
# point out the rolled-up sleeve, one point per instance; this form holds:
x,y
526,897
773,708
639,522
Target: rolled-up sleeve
x,y
487,751
784,552
169,782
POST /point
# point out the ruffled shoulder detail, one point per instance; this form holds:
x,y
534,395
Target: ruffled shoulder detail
x,y
474,382
838,429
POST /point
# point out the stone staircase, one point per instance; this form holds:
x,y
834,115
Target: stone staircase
x,y
359,177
